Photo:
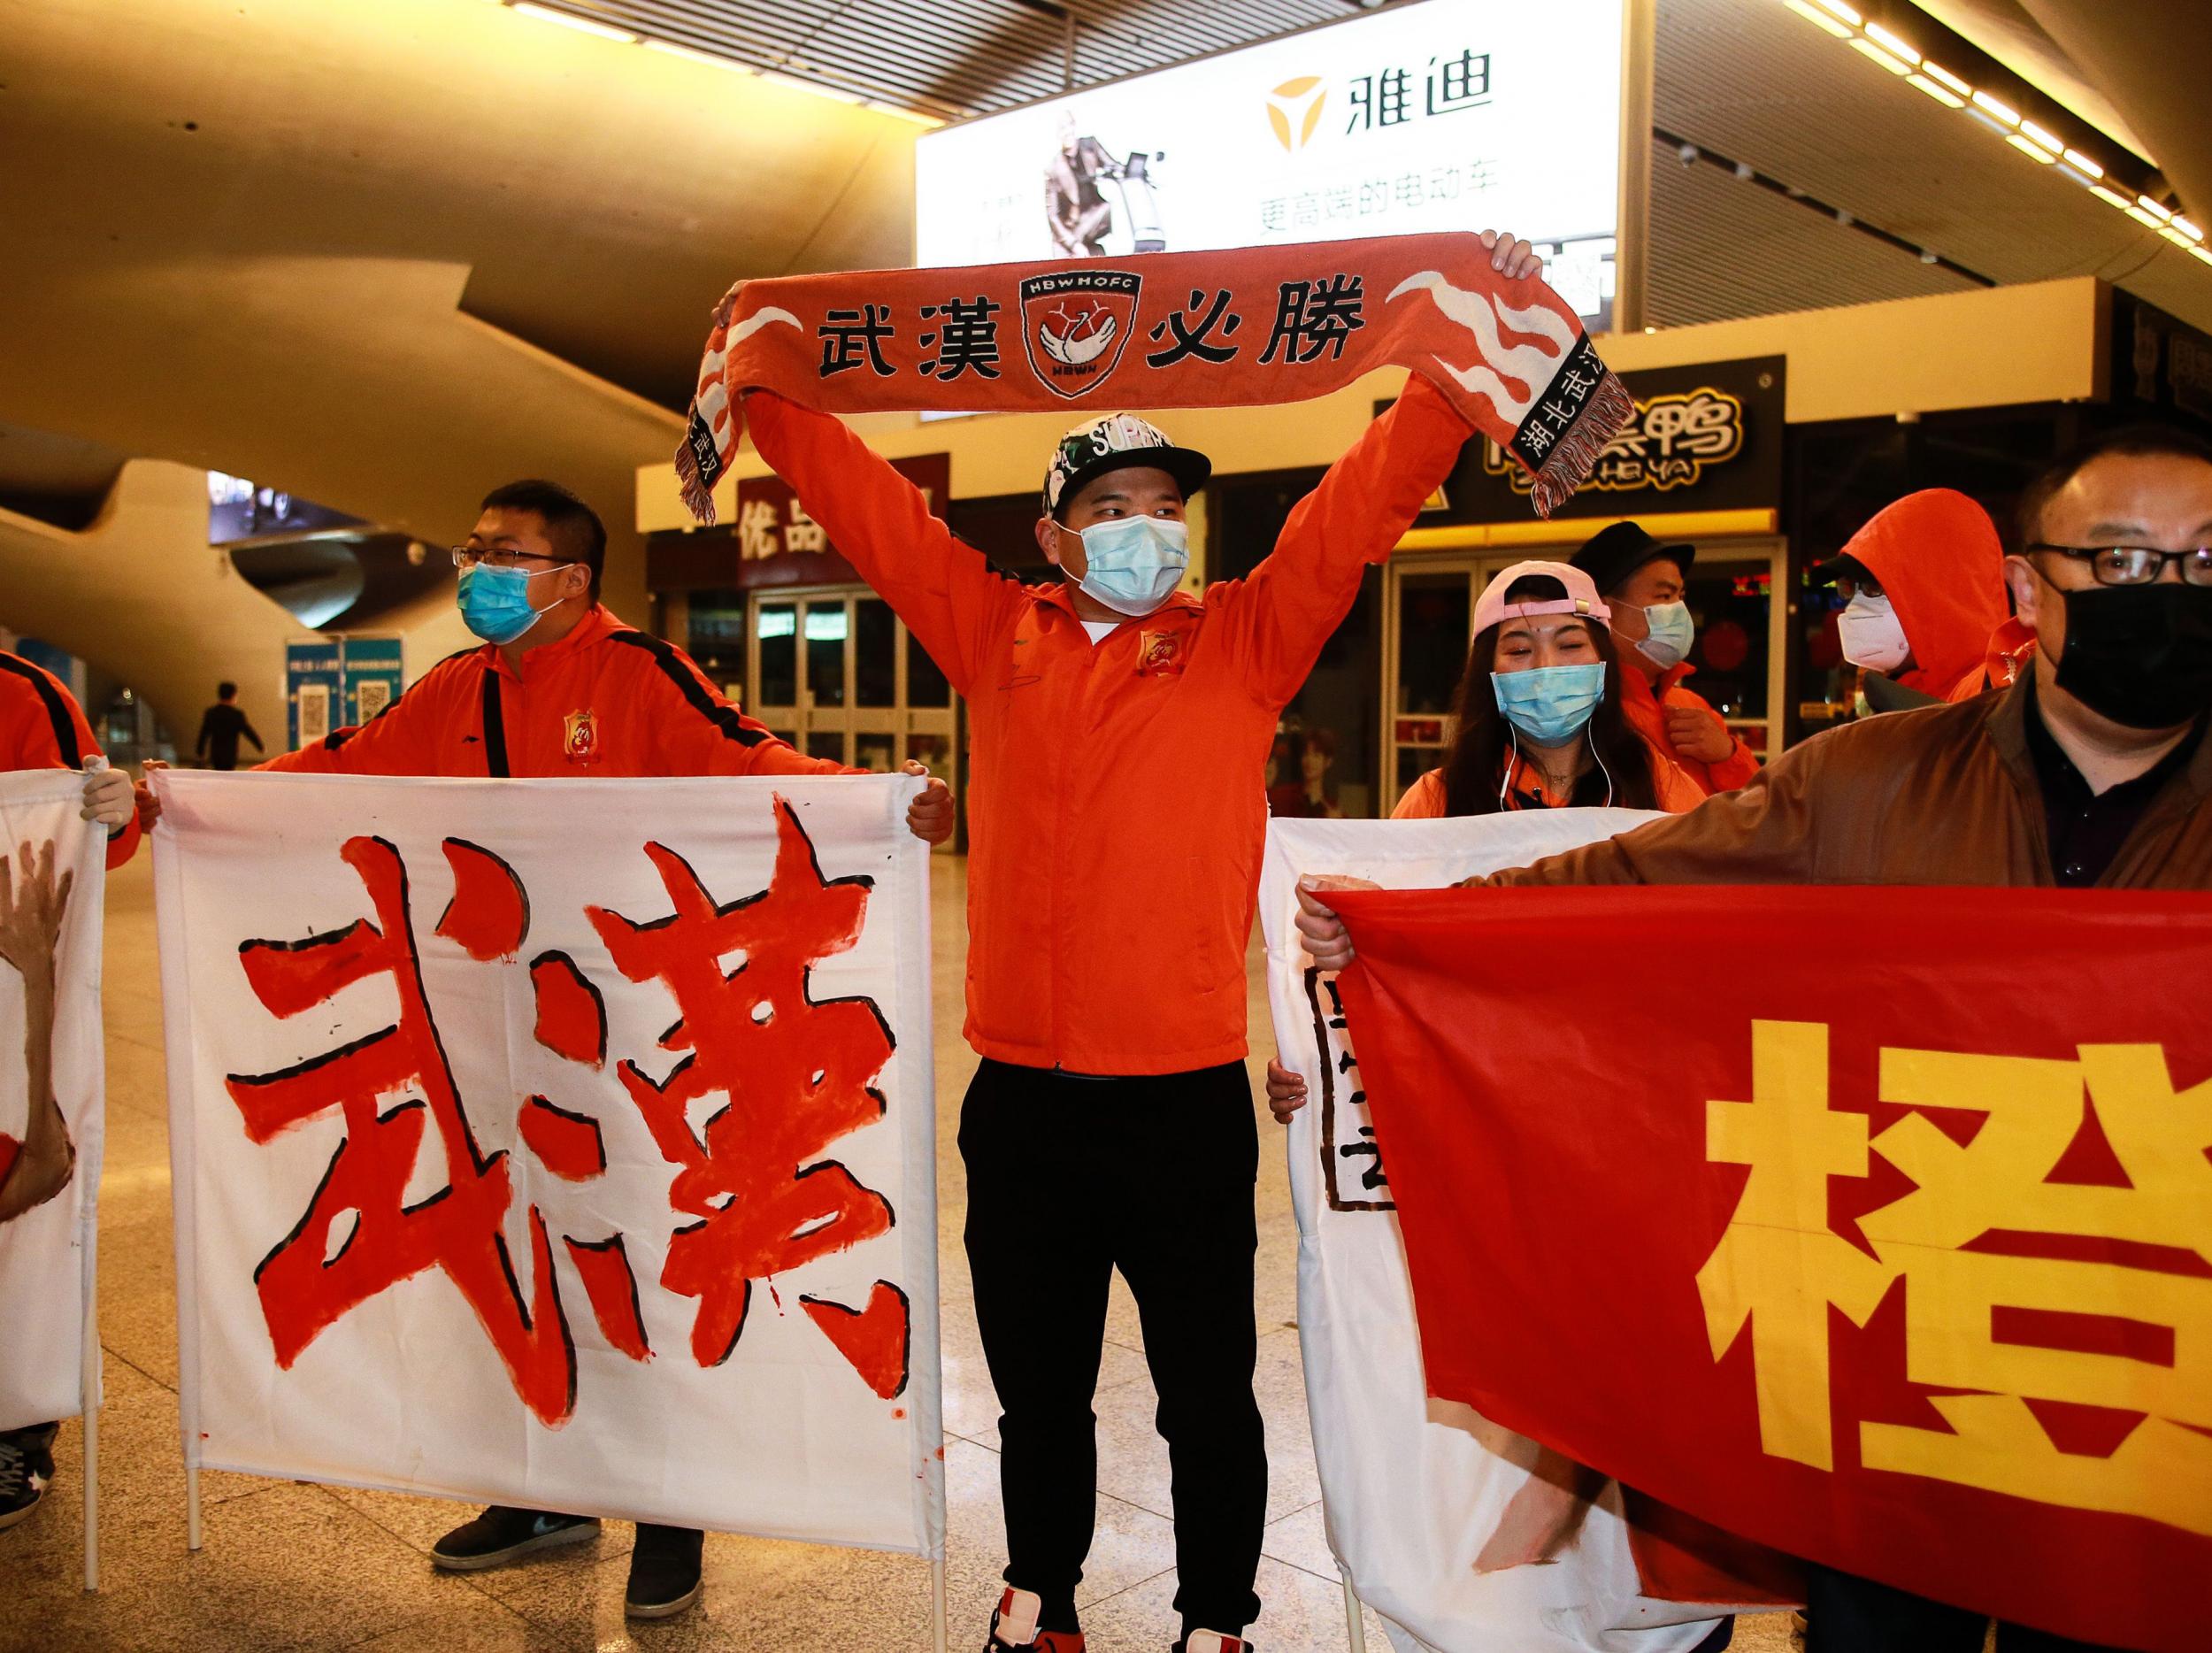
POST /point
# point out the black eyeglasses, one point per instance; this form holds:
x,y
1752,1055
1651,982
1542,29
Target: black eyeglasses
x,y
466,556
2135,564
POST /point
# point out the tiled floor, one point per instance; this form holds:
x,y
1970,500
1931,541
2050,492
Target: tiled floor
x,y
294,1565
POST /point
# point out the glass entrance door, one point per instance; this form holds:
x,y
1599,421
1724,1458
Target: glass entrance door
x,y
835,673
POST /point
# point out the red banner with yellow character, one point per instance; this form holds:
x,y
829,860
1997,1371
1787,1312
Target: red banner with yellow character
x,y
1872,1224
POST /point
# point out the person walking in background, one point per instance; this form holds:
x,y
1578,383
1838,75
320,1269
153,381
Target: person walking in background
x,y
222,726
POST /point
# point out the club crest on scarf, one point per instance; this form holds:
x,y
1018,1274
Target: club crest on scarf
x,y
1076,324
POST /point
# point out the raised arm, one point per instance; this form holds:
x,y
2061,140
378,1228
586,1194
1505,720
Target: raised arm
x,y
32,901
951,600
1302,591
1362,509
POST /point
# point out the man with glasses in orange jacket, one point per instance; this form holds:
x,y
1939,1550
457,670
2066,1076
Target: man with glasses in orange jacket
x,y
561,686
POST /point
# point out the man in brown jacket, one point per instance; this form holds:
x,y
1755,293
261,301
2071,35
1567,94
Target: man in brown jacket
x,y
2093,770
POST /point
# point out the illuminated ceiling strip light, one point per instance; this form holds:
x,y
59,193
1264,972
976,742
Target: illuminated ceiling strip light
x,y
835,94
1843,11
914,115
1890,43
2031,150
2037,134
2177,238
1944,76
2153,209
1984,100
569,19
2111,197
670,49
2076,158
1868,49
2144,219
1819,20
1923,83
2188,229
2199,252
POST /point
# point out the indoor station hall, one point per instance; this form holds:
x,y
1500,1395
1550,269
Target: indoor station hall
x,y
1105,826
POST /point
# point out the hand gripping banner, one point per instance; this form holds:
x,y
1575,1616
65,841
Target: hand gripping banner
x,y
566,1144
52,1078
1464,1536
1894,1254
1197,329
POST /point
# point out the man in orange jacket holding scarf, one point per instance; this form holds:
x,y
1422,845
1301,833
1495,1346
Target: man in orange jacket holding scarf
x,y
1120,730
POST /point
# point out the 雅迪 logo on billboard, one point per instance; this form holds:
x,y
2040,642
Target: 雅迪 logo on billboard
x,y
1075,325
1294,110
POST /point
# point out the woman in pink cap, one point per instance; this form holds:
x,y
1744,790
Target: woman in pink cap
x,y
1539,720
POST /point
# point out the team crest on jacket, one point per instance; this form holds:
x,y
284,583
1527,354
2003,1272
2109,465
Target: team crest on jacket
x,y
1159,653
580,736
1076,324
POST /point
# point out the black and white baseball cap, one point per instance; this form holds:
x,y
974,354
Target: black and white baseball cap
x,y
1114,443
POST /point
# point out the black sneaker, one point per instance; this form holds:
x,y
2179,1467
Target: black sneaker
x,y
663,1570
502,1534
27,1468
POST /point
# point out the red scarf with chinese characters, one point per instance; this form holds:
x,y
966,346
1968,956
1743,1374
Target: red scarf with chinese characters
x,y
1195,329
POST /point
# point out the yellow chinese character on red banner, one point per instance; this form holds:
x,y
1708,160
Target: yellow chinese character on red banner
x,y
2094,1292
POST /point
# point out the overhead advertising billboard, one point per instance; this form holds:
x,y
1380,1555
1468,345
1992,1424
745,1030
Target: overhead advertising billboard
x,y
1444,115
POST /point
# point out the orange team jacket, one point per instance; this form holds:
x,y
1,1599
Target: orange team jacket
x,y
605,700
1645,706
1678,794
42,727
1116,811
1938,555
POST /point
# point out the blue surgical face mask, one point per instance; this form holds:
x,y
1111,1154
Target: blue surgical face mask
x,y
1550,703
496,602
1132,563
1673,631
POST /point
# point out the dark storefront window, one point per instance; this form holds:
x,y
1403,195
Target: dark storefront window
x,y
715,634
1325,760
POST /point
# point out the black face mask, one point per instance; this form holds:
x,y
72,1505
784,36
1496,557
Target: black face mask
x,y
2140,654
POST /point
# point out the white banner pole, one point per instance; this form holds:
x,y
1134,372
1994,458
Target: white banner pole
x,y
1355,1630
91,1384
939,1620
174,946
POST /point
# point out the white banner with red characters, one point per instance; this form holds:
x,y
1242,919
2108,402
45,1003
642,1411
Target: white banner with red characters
x,y
560,1143
1464,1536
52,1079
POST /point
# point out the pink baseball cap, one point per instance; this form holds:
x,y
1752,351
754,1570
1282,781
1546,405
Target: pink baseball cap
x,y
1491,609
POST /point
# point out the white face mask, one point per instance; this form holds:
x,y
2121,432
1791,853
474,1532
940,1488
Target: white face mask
x,y
1872,636
1673,631
1134,564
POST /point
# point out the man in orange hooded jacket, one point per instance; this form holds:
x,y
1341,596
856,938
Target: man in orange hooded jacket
x,y
1926,588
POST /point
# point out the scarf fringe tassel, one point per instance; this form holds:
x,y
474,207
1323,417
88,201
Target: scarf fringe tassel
x,y
697,495
1576,454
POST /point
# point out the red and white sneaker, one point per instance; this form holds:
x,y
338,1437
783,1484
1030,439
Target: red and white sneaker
x,y
1213,1642
1014,1627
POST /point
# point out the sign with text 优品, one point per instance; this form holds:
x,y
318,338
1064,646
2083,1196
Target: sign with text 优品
x,y
1454,115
